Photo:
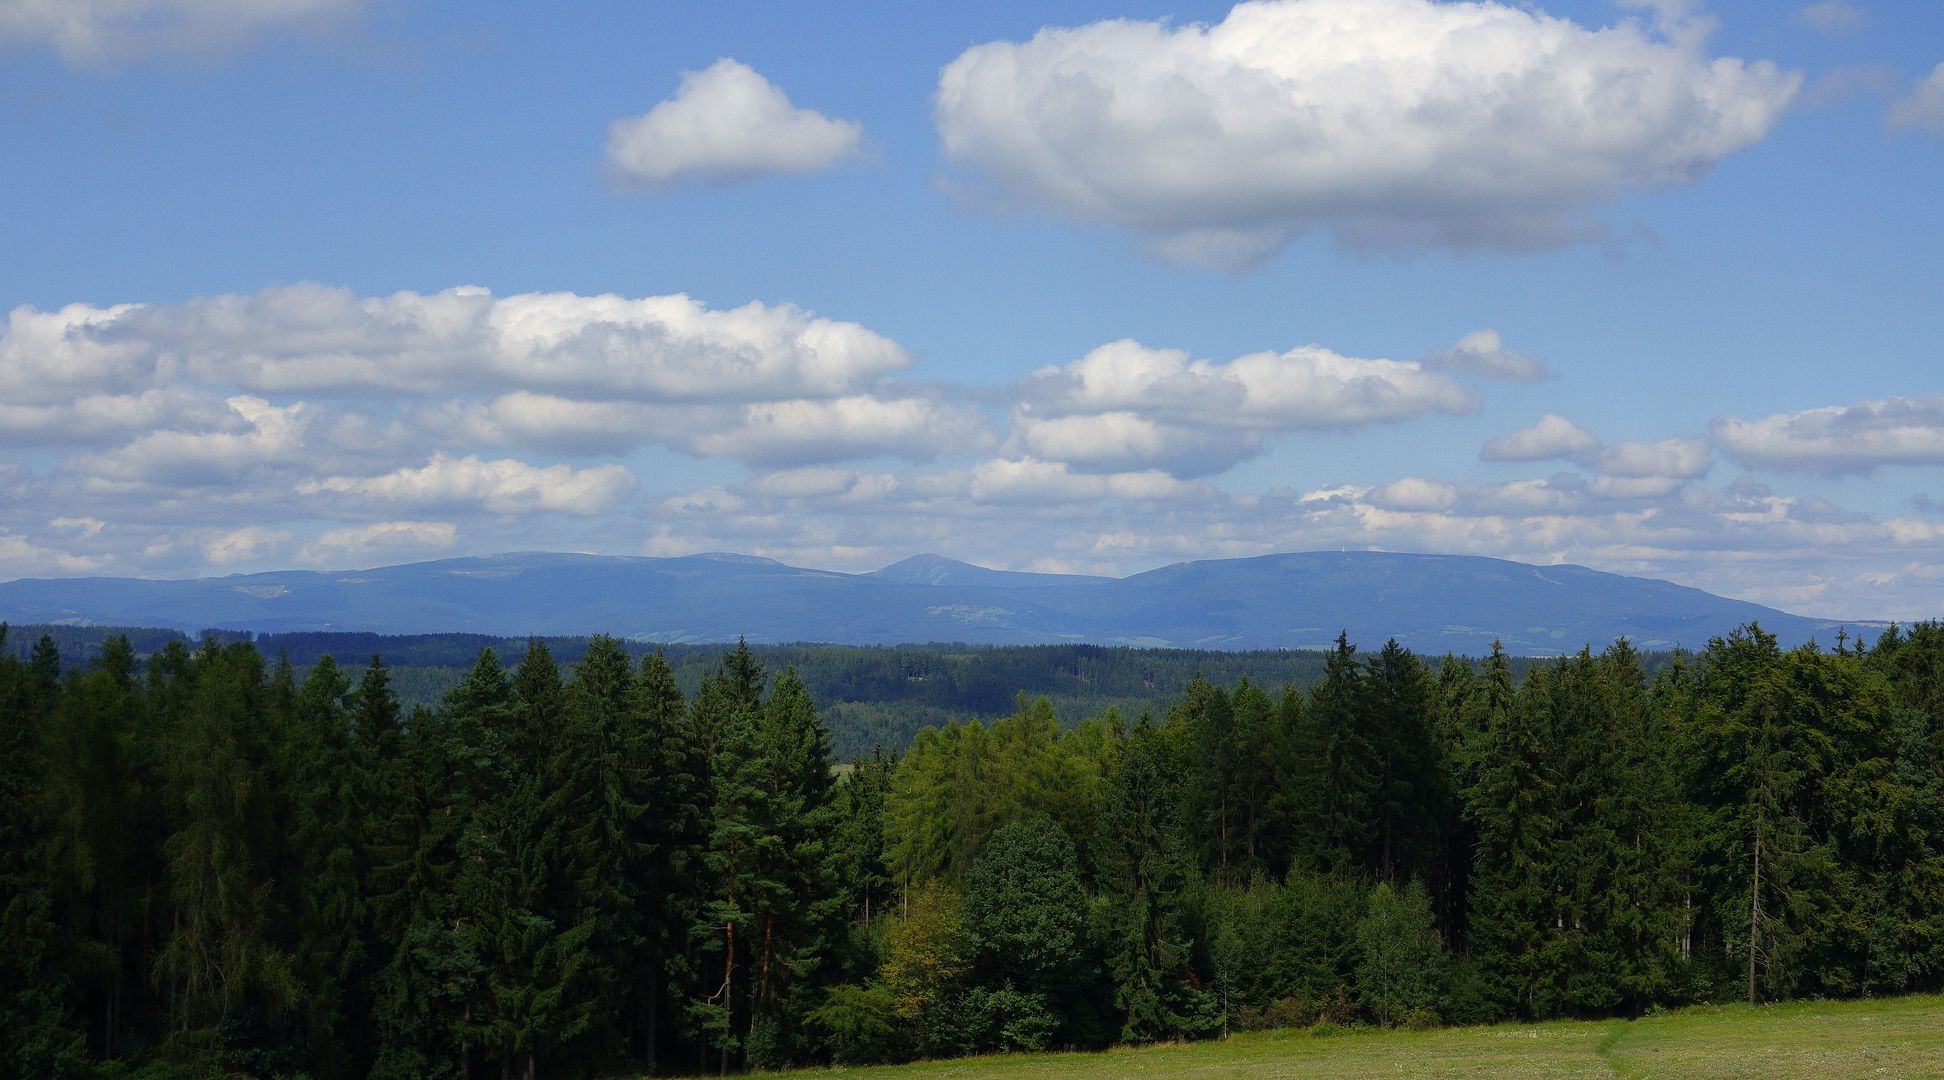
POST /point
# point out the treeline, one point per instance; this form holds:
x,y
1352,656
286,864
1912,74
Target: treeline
x,y
210,864
871,696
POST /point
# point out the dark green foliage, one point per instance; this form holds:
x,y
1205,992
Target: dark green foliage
x,y
1024,909
1336,772
328,867
209,863
42,1039
1517,909
1144,880
859,851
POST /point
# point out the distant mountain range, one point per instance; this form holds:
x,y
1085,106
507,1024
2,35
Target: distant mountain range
x,y
1430,603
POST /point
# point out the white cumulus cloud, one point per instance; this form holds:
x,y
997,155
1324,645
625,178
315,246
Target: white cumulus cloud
x,y
810,431
1624,470
503,486
1551,438
1308,387
1483,353
261,434
1675,459
1114,441
319,338
1840,439
1128,407
380,539
1387,123
726,123
1025,480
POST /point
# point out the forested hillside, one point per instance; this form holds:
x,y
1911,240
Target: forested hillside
x,y
210,863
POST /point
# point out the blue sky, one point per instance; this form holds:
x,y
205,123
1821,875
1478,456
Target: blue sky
x,y
1714,233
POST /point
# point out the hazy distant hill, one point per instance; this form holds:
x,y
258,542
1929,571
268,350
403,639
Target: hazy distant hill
x,y
1430,603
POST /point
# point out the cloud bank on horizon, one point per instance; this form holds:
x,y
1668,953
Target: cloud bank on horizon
x,y
333,425
366,429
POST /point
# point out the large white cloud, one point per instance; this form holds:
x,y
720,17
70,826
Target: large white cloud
x,y
726,123
316,338
1923,109
98,32
1840,439
1388,123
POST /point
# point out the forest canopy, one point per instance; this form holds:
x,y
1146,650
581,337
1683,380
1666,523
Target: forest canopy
x,y
214,860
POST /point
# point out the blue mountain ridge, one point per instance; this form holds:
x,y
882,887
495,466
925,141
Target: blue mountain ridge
x,y
1430,603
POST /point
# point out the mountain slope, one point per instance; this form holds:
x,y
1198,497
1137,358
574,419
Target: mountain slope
x,y
1431,603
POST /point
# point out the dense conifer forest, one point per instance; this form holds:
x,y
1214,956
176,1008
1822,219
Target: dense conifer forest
x,y
213,863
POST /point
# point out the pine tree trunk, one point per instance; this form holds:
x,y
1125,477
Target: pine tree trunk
x,y
728,983
648,1056
762,985
1754,910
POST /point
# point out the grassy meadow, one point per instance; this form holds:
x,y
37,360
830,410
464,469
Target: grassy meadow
x,y
1890,1037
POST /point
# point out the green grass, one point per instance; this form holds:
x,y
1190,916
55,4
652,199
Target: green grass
x,y
1891,1037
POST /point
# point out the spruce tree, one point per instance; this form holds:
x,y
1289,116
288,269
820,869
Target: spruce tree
x,y
798,907
1217,820
675,827
1515,913
599,789
1143,876
328,867
1398,691
1337,769
742,848
41,1037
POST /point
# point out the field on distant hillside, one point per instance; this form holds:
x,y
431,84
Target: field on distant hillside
x,y
1898,1037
